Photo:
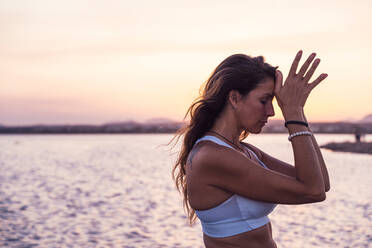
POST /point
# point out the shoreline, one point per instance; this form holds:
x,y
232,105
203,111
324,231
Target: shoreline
x,y
354,147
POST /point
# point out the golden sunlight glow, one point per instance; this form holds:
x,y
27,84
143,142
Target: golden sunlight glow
x,y
63,62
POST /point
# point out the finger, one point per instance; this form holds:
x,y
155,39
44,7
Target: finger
x,y
306,65
294,65
313,67
278,80
317,81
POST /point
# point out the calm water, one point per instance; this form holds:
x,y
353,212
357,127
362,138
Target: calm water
x,y
116,191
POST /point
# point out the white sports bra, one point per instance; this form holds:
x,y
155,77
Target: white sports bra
x,y
235,215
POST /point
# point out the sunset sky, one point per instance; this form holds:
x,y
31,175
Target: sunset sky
x,y
92,62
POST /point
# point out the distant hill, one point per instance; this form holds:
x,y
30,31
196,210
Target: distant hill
x,y
159,121
115,127
367,119
162,125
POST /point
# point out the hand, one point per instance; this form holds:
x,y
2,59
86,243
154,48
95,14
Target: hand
x,y
292,96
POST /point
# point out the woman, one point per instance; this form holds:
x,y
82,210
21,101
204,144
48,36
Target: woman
x,y
232,186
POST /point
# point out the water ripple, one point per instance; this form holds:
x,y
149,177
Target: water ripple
x,y
116,191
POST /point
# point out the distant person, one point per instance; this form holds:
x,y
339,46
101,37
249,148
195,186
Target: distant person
x,y
358,132
230,185
357,137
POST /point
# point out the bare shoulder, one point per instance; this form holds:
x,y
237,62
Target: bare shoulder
x,y
204,152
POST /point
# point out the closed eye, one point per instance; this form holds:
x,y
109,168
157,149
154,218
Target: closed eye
x,y
266,99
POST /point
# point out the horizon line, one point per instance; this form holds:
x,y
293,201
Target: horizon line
x,y
163,121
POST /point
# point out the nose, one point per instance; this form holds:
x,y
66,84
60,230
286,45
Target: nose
x,y
270,109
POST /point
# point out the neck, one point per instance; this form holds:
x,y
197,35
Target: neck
x,y
227,126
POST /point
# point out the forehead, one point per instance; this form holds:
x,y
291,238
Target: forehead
x,y
264,87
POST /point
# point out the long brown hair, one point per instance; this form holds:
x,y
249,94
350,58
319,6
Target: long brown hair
x,y
237,72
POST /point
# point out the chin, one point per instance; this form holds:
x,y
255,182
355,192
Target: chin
x,y
254,131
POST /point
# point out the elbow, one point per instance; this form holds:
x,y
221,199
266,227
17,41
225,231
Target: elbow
x,y
327,188
317,194
319,197
327,185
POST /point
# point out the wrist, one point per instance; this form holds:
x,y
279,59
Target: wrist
x,y
295,122
294,114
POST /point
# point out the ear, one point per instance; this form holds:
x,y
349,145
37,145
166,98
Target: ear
x,y
234,97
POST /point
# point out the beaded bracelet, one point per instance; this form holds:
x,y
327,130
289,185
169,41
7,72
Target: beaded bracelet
x,y
290,137
296,122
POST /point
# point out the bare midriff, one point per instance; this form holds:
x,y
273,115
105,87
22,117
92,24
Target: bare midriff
x,y
257,238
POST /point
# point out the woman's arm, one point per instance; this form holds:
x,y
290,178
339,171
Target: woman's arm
x,y
224,168
287,169
273,163
322,164
291,98
304,150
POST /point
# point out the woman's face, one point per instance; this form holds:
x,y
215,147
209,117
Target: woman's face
x,y
256,107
